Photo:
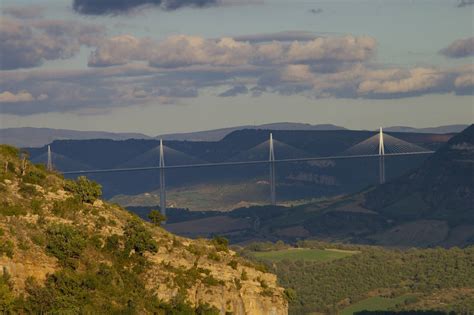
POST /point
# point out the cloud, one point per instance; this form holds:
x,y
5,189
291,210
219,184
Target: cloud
x,y
24,12
22,96
99,7
460,48
413,81
287,36
119,50
236,90
316,11
465,3
183,51
28,44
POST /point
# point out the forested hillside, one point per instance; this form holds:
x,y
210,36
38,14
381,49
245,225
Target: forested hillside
x,y
421,279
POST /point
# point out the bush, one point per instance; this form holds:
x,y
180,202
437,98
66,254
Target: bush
x,y
66,208
87,190
233,264
65,243
11,210
6,295
6,247
27,191
220,243
138,238
156,217
34,176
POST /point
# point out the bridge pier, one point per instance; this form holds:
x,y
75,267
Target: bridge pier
x,y
272,172
49,165
381,158
162,180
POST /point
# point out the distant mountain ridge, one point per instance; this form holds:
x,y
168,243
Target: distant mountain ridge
x,y
38,137
439,129
218,134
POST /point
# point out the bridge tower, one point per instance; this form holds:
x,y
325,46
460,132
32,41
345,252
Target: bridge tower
x,y
162,180
271,160
49,165
381,158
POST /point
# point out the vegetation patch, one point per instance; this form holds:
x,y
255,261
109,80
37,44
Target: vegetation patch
x,y
303,254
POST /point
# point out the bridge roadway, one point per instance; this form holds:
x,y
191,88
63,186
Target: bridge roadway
x,y
335,157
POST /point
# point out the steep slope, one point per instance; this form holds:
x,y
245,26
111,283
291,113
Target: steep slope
x,y
444,184
65,251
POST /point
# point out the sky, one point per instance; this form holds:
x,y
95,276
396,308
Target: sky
x,y
165,66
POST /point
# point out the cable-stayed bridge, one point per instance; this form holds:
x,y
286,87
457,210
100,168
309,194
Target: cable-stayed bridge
x,y
378,146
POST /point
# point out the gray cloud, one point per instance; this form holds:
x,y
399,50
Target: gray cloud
x,y
287,36
99,90
99,7
24,12
316,11
28,44
465,3
459,48
236,90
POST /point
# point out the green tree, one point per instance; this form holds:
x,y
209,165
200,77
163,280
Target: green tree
x,y
88,191
156,217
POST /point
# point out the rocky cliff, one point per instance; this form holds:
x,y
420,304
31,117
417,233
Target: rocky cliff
x,y
64,250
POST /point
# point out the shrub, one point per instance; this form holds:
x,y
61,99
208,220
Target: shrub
x,y
237,283
34,176
87,190
156,217
6,295
138,238
65,243
112,243
214,256
233,264
66,208
6,247
27,190
11,210
220,243
244,276
290,294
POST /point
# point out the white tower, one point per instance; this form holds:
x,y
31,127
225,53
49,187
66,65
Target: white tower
x,y
381,158
272,172
162,180
49,165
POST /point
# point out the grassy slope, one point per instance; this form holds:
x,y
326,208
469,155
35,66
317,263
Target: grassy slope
x,y
303,254
375,303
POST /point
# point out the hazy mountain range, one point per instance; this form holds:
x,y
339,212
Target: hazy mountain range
x,y
37,137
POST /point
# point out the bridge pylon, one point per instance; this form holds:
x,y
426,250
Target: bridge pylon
x,y
381,157
49,165
162,180
271,160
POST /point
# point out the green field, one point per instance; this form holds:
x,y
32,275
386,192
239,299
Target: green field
x,y
303,254
375,303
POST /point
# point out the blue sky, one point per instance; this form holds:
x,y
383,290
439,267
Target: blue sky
x,y
359,64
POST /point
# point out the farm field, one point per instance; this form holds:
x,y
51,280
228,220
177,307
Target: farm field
x,y
375,303
304,254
